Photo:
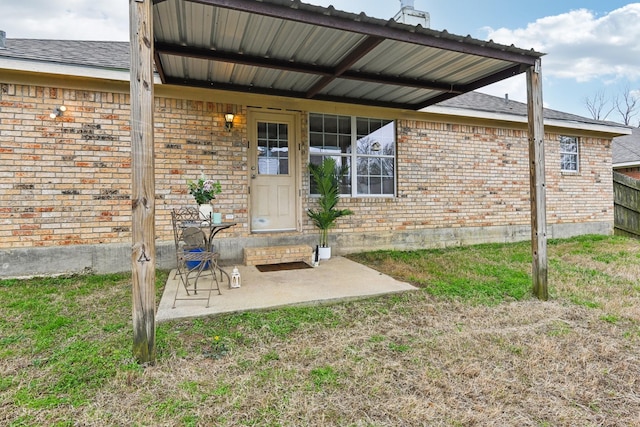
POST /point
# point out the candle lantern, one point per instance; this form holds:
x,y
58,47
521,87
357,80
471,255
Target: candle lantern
x,y
235,278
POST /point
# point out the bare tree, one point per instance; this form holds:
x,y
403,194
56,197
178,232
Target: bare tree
x,y
598,105
627,105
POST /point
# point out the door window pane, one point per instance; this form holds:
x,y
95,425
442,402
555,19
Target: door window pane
x,y
273,148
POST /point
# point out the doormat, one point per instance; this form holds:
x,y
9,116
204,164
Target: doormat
x,y
298,265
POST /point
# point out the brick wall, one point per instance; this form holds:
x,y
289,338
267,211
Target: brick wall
x,y
66,181
632,172
454,176
190,139
585,196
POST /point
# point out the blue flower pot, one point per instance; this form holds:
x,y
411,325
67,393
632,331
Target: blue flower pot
x,y
194,264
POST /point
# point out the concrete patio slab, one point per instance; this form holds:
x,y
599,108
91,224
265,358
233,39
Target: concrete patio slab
x,y
333,280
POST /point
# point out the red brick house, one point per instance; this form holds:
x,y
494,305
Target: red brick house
x,y
429,169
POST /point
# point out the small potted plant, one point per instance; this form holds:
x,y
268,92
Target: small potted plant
x,y
326,177
204,190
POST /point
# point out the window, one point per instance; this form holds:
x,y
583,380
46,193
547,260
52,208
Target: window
x,y
369,144
273,148
569,154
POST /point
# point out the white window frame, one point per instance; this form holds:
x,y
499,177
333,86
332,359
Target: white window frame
x,y
353,156
576,153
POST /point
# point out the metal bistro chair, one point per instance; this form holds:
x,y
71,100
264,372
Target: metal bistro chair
x,y
178,218
195,260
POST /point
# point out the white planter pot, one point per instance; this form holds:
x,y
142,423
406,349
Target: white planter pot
x,y
206,210
324,253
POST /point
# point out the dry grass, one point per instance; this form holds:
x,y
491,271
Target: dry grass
x,y
406,360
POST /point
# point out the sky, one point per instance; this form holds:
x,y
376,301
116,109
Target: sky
x,y
591,46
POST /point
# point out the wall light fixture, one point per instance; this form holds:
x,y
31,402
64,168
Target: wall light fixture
x,y
57,112
228,121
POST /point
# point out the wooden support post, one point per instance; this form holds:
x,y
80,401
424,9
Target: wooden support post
x,y
537,181
143,256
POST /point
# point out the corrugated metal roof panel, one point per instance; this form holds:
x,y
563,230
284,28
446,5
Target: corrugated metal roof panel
x,y
375,92
310,51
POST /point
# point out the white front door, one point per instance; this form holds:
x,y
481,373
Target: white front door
x,y
273,163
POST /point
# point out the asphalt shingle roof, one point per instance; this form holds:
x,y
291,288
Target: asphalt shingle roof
x,y
493,104
626,149
102,54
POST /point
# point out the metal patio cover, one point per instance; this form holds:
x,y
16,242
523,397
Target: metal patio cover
x,y
292,49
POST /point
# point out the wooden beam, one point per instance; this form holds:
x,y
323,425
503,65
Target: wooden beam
x,y
537,181
143,253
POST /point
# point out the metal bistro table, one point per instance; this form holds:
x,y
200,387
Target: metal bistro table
x,y
213,229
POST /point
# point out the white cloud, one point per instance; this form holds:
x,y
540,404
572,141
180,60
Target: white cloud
x,y
582,46
66,20
515,87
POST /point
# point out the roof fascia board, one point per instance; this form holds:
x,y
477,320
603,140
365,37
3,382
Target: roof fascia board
x,y
398,32
67,70
459,112
64,81
626,165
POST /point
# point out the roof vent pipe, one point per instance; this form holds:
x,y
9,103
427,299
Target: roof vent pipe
x,y
506,98
3,40
406,4
409,16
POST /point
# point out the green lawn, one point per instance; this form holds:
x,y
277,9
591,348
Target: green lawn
x,y
471,347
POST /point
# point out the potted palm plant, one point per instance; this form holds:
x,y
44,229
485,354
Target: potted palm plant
x,y
326,177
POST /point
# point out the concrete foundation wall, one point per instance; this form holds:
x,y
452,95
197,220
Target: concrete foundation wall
x,y
113,258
